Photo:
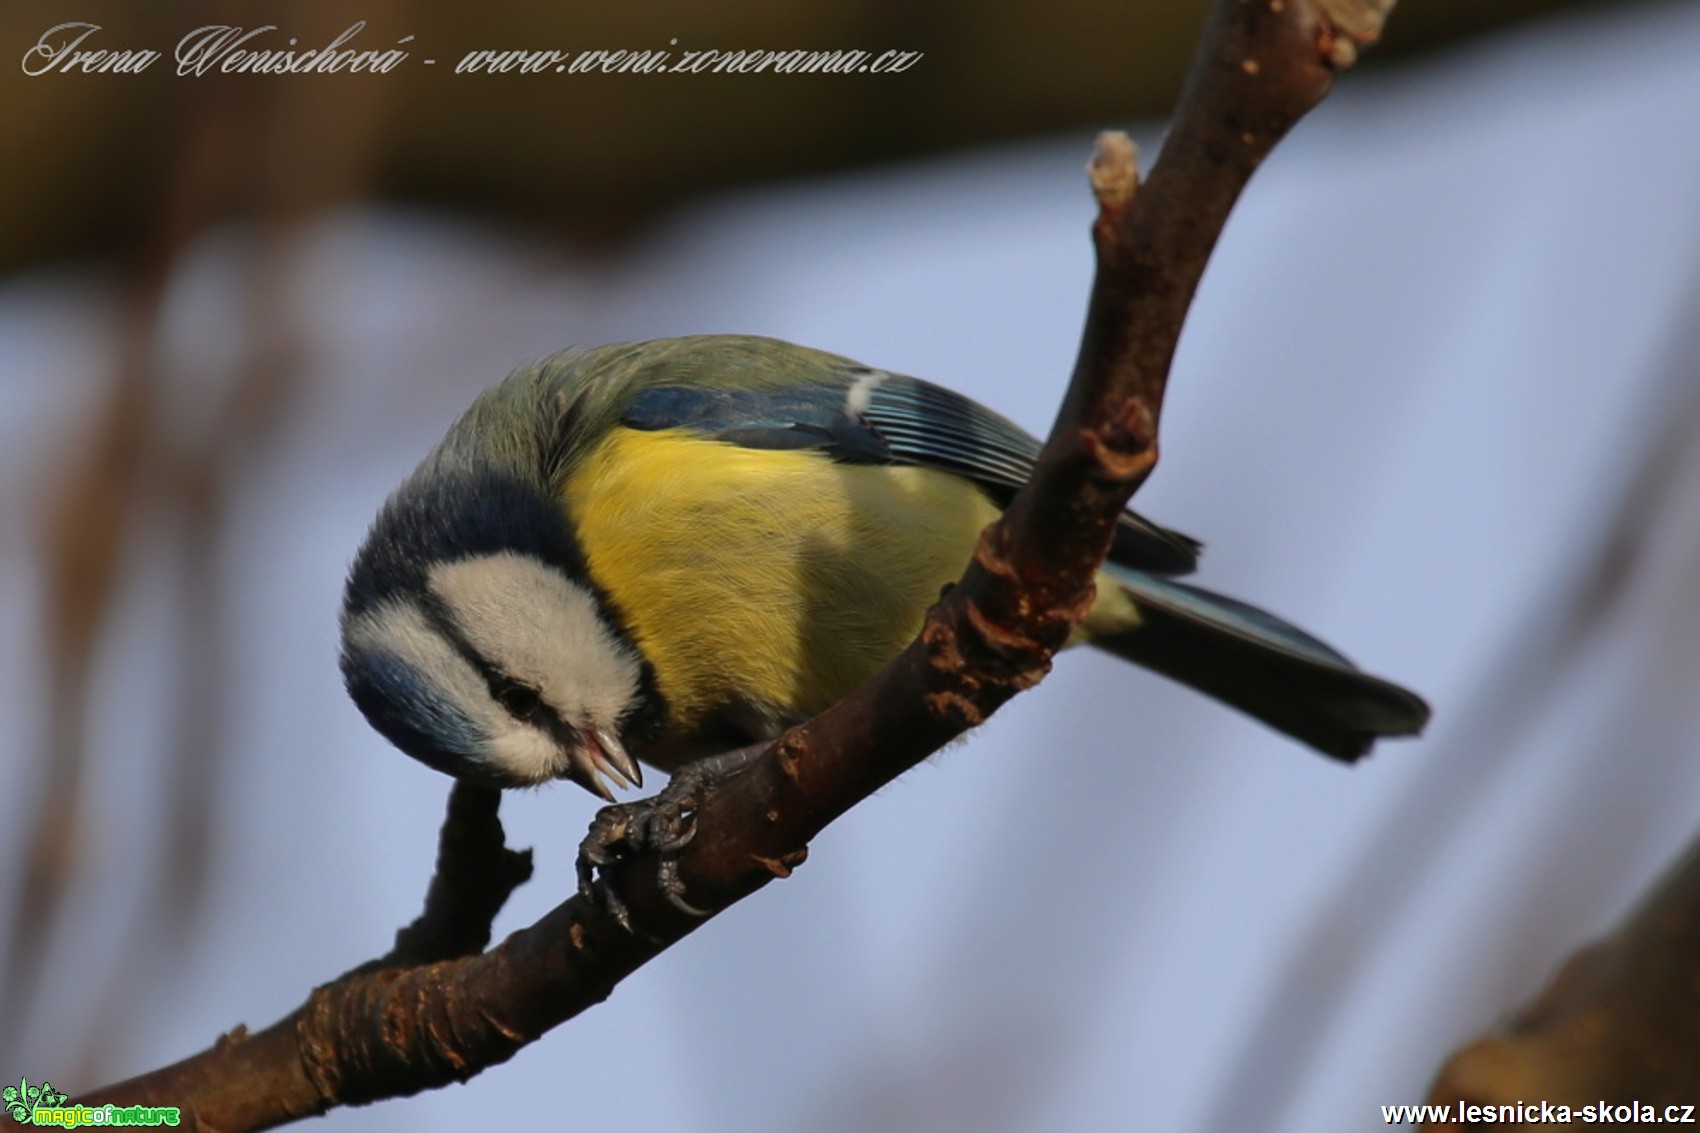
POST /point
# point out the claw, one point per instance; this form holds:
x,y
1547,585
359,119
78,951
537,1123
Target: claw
x,y
679,839
675,890
663,825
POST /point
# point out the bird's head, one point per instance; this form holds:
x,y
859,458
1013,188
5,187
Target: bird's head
x,y
473,640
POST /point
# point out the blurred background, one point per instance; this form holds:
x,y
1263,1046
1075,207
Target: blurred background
x,y
1435,403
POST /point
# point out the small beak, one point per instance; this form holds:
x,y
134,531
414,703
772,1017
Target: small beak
x,y
599,753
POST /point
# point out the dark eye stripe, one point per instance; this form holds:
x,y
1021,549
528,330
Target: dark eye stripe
x,y
518,699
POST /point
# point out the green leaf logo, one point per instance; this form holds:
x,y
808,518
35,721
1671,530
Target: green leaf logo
x,y
22,1100
14,1096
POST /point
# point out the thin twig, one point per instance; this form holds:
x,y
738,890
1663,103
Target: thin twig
x,y
476,873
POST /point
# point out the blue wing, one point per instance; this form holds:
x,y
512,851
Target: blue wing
x,y
871,417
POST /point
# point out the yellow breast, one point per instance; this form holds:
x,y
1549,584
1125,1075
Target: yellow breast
x,y
778,579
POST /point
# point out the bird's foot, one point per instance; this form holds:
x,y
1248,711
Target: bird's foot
x,y
662,825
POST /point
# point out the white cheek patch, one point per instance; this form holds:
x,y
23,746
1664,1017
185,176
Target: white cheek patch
x,y
542,629
861,392
515,751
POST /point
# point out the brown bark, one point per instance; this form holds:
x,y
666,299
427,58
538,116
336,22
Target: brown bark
x,y
1618,1024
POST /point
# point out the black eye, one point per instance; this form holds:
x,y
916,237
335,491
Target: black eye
x,y
518,699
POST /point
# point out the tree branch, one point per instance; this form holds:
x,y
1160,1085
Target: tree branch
x,y
389,1030
476,873
1617,1024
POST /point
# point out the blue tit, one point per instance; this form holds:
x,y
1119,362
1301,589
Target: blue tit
x,y
657,551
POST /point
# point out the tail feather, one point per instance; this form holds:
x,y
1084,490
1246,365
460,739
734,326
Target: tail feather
x,y
1261,665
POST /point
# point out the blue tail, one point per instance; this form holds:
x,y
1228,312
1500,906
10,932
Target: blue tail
x,y
1262,666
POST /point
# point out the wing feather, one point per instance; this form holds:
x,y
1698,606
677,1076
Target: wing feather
x,y
862,416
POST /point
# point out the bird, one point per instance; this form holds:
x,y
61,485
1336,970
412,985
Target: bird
x,y
649,553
